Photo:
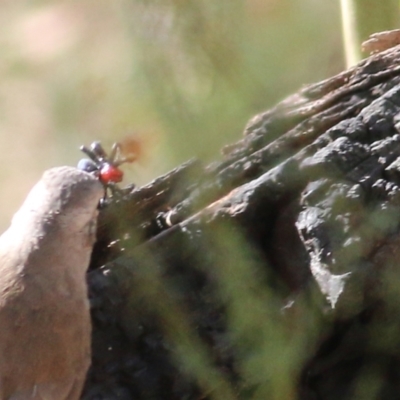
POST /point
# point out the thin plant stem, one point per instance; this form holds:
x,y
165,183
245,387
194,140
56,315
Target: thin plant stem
x,y
361,18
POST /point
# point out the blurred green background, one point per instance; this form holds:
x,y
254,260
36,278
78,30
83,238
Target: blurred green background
x,y
183,76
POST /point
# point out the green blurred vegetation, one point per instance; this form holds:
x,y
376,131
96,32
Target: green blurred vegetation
x,y
271,336
183,75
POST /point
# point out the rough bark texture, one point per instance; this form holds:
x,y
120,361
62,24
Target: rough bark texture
x,y
308,204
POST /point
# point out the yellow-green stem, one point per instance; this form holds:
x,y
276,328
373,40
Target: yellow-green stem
x,y
361,18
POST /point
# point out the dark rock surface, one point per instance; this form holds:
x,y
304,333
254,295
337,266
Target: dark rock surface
x,y
272,273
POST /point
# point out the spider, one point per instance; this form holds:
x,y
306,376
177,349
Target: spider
x,y
104,166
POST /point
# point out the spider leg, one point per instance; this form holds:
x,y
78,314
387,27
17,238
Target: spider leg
x,y
91,154
115,153
98,149
115,190
123,160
